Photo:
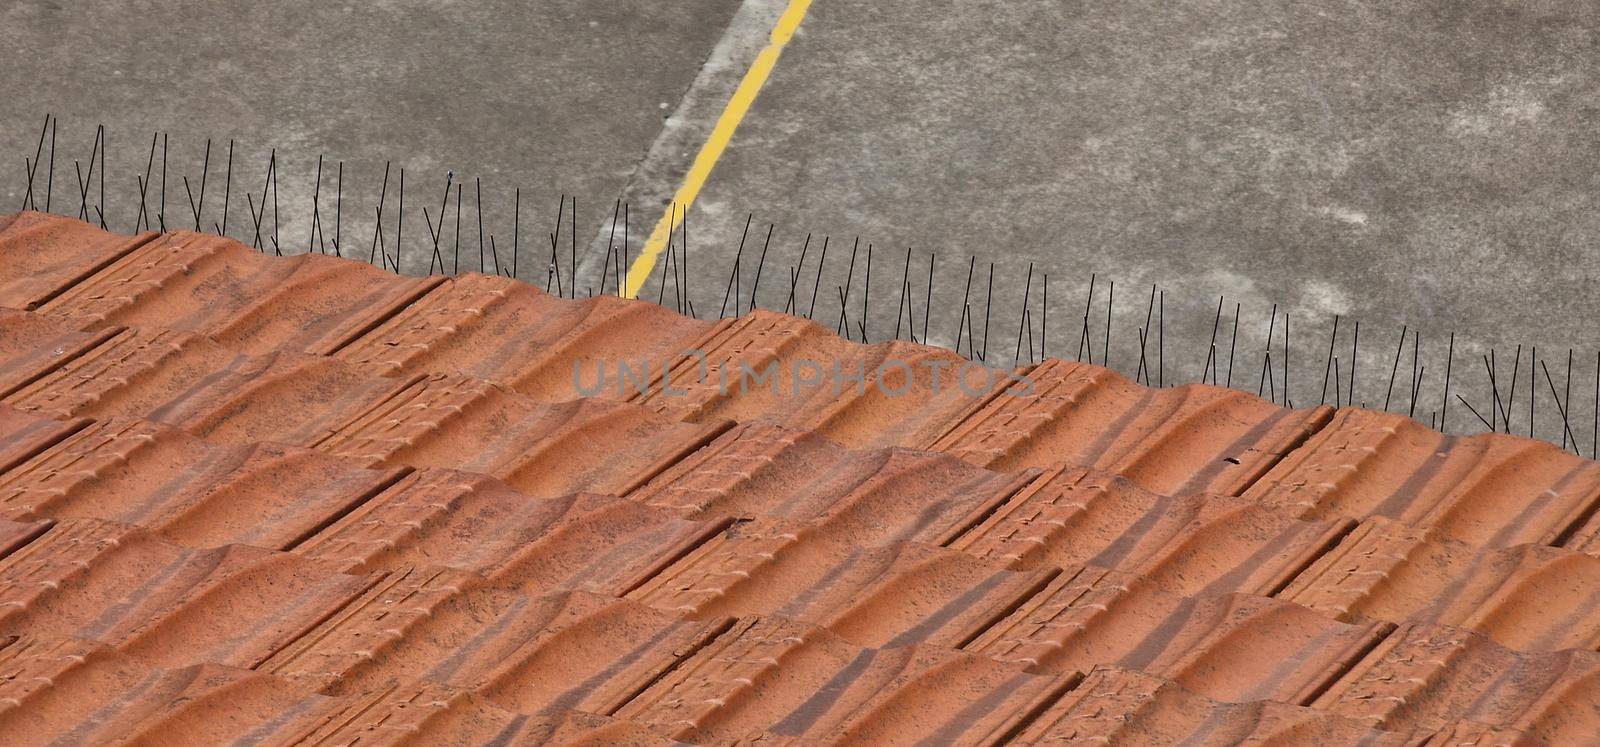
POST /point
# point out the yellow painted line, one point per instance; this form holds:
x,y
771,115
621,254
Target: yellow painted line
x,y
721,134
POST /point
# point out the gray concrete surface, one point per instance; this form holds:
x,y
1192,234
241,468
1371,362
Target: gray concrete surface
x,y
1414,162
1430,163
554,96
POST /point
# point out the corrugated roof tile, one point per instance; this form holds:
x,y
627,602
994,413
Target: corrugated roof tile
x,y
304,501
1490,489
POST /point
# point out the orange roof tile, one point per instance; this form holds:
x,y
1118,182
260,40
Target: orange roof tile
x,y
300,500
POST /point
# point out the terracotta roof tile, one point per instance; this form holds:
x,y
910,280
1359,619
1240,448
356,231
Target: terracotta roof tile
x,y
578,541
219,288
525,653
501,330
71,690
882,596
1489,489
187,490
789,679
77,691
1426,676
1118,705
164,603
45,255
303,501
1530,596
1229,647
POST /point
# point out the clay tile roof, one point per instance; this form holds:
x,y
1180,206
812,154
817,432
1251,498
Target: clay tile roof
x,y
303,501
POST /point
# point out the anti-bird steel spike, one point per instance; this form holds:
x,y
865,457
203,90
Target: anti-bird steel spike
x,y
77,178
1111,300
400,222
435,258
1594,448
455,261
1161,341
1511,400
553,270
33,166
866,297
1083,332
844,314
1417,369
1142,369
1022,319
101,209
255,218
734,288
272,180
27,197
683,260
1210,366
794,277
277,248
1235,343
494,253
1287,400
377,223
1395,367
900,313
1336,387
1449,364
1027,320
227,193
1355,342
516,231
1266,363
817,282
667,265
161,210
927,303
755,285
50,176
1322,399
611,246
849,279
680,295
572,240
1044,315
988,306
83,181
143,221
966,297
189,194
205,170
338,212
1569,401
1533,389
1561,408
682,267
1144,336
1489,363
622,251
316,210
477,186
83,186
